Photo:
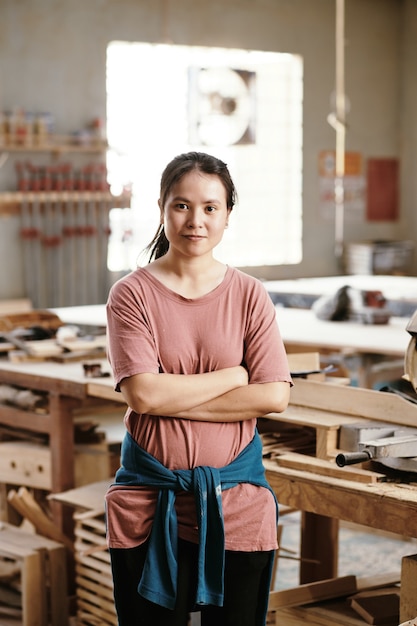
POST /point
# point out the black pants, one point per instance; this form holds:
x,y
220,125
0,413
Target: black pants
x,y
245,584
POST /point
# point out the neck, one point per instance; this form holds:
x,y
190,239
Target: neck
x,y
186,267
191,278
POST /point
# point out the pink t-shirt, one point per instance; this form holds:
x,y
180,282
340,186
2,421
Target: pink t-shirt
x,y
153,329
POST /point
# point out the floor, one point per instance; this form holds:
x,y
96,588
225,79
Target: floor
x,y
360,552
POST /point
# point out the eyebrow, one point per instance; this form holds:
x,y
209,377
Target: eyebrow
x,y
182,199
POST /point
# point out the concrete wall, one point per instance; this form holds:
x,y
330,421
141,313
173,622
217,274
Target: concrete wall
x,y
53,57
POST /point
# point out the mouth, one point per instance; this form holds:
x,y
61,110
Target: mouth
x,y
194,237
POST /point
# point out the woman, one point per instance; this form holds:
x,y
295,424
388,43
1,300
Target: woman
x,y
196,352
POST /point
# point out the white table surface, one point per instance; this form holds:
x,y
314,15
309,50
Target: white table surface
x,y
301,327
298,327
393,287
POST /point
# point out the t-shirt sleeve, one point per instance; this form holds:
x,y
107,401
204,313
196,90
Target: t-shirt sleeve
x,y
265,355
131,345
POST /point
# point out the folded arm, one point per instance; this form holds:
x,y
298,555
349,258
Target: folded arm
x,y
172,394
251,401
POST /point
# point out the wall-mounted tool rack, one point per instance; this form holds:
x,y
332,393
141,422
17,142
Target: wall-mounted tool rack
x,y
64,238
63,209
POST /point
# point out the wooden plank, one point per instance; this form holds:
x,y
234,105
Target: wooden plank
x,y
34,600
103,578
89,519
326,443
305,415
313,592
95,564
377,581
27,506
93,595
353,401
88,538
88,497
58,586
99,553
93,616
347,500
328,614
379,606
95,606
89,542
327,468
408,595
98,590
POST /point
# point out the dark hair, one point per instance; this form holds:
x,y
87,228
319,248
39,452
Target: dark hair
x,y
174,171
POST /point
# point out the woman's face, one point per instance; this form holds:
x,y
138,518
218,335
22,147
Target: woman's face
x,y
195,214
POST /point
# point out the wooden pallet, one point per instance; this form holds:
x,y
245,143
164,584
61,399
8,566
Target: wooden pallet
x,y
94,585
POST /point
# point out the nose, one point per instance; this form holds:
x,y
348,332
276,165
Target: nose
x,y
195,218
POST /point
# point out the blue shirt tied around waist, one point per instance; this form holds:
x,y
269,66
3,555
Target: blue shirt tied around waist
x,y
159,578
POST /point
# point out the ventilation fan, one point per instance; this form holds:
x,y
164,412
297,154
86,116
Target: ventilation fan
x,y
222,104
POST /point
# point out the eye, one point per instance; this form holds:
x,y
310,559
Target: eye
x,y
211,209
182,206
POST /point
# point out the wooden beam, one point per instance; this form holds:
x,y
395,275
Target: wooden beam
x,y
313,592
347,500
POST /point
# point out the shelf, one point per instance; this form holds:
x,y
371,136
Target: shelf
x,y
8,197
58,144
11,202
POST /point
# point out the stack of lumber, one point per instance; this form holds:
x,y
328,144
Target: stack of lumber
x,y
346,601
33,336
94,584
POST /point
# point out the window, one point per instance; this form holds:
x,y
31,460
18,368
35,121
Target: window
x,y
243,106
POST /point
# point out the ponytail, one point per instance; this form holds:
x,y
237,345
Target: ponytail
x,y
159,244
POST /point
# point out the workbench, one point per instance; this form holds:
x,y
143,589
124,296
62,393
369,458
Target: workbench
x,y
370,352
67,389
333,495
